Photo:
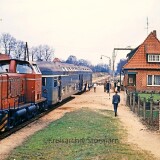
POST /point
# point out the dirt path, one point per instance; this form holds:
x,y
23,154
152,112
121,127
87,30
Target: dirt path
x,y
137,133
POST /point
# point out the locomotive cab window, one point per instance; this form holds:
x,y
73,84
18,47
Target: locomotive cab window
x,y
23,68
36,69
4,67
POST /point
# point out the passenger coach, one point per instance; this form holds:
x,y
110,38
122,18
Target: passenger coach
x,y
61,80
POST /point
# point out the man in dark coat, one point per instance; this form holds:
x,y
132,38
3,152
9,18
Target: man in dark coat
x,y
115,102
108,86
105,84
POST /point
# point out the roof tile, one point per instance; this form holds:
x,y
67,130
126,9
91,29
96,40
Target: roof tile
x,y
138,59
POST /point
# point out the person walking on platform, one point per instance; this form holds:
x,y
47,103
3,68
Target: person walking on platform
x,y
118,86
94,86
115,86
105,84
89,87
85,87
108,86
115,102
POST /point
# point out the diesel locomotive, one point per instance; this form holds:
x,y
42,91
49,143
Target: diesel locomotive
x,y
28,88
20,92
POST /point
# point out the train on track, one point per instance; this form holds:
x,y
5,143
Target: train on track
x,y
29,88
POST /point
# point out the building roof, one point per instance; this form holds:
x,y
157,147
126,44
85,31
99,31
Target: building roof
x,y
56,60
4,57
130,54
137,58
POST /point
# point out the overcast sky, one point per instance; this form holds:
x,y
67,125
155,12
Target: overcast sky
x,y
84,28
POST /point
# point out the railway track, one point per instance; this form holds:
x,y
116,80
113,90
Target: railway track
x,y
22,125
100,80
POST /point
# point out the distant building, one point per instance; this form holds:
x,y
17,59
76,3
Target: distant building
x,y
56,60
4,56
142,70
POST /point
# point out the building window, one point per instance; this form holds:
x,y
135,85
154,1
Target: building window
x,y
157,80
149,79
132,79
153,80
153,58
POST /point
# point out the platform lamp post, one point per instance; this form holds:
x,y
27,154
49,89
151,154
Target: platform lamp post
x,y
109,61
109,70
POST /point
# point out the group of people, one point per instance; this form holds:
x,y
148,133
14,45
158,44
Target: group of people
x,y
89,87
107,86
85,87
116,97
117,86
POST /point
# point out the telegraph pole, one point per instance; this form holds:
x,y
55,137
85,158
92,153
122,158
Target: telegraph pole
x,y
26,53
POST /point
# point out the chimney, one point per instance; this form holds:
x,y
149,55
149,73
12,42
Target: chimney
x,y
154,33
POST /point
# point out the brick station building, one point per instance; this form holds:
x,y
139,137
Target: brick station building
x,y
142,70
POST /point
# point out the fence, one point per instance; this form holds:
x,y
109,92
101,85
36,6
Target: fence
x,y
147,109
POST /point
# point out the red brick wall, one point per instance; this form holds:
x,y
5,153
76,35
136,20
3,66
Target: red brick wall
x,y
141,81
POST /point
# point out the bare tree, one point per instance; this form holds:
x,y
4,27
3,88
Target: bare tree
x,y
8,43
16,49
48,53
33,51
42,53
19,49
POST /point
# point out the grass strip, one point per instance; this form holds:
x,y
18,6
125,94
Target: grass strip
x,y
80,135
